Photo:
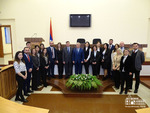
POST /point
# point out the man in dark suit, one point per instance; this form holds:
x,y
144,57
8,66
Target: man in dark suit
x,y
122,46
28,44
67,59
51,58
78,58
29,66
137,61
111,46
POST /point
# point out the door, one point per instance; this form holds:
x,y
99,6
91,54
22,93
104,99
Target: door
x,y
5,40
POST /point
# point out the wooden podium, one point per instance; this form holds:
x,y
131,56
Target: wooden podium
x,y
34,41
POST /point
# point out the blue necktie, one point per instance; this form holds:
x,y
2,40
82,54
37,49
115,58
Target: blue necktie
x,y
68,50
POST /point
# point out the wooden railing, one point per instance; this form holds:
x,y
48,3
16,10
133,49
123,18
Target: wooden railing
x,y
8,85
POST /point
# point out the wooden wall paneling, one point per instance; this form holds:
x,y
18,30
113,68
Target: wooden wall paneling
x,y
5,84
12,84
1,88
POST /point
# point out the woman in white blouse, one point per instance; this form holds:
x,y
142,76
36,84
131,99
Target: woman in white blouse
x,y
21,75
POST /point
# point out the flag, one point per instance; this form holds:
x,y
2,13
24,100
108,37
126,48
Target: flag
x,y
51,32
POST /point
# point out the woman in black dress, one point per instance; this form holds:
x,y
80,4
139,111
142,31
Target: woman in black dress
x,y
94,60
59,60
35,71
87,55
44,66
106,59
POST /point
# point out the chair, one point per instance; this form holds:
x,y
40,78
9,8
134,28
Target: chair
x,y
95,40
81,40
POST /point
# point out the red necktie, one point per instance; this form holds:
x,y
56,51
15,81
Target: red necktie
x,y
28,58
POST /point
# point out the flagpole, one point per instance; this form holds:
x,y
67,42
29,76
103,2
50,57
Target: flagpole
x,y
51,33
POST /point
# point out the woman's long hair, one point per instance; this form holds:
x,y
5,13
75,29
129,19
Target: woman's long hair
x,y
60,45
32,52
88,44
43,53
115,47
16,57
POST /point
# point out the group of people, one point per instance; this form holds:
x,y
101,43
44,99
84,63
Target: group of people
x,y
117,62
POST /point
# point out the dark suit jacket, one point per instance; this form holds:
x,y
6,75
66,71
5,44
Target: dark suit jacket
x,y
78,56
49,52
43,62
35,61
59,55
112,48
127,64
139,59
107,56
100,54
28,64
95,59
67,57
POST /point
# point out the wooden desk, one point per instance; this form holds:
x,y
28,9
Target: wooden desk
x,y
8,84
7,106
145,110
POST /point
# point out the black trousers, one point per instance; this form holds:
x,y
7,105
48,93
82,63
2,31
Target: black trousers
x,y
26,86
137,78
86,65
124,78
60,69
35,75
78,68
39,77
68,68
51,68
20,81
116,74
98,68
95,69
44,74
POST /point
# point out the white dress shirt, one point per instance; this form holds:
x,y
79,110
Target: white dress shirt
x,y
124,59
89,53
104,54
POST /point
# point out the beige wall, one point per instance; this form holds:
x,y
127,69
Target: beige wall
x,y
122,20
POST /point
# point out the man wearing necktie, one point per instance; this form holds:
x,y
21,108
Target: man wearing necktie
x,y
111,46
137,61
51,58
122,46
29,66
78,58
67,59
